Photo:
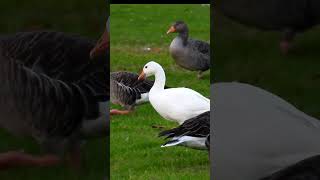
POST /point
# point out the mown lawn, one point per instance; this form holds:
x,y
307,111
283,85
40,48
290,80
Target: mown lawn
x,y
73,16
249,55
135,147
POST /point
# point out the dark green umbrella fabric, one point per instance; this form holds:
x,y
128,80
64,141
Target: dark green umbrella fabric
x,y
256,133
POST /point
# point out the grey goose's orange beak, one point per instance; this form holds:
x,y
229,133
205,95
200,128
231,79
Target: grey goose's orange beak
x,y
101,46
171,30
142,76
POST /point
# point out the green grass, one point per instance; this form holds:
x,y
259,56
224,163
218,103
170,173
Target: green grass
x,y
135,147
73,16
249,55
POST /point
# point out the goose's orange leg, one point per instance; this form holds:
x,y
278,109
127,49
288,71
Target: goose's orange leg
x,y
119,112
17,159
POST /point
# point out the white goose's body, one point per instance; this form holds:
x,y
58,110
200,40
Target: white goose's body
x,y
175,104
178,104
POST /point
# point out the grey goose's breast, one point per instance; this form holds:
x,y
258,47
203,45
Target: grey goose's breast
x,y
195,55
262,135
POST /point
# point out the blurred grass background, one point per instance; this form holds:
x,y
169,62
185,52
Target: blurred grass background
x,y
86,18
253,56
135,147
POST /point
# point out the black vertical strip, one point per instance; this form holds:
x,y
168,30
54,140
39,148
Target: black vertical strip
x,y
211,41
108,19
211,92
160,1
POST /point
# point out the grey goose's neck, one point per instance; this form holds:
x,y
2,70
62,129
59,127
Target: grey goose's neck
x,y
184,36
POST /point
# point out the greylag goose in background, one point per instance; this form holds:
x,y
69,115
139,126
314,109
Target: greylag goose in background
x,y
127,91
190,54
52,91
192,133
103,43
288,16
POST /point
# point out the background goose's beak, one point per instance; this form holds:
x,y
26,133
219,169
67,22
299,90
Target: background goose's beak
x,y
142,76
171,30
101,46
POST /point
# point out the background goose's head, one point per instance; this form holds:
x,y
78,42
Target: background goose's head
x,y
151,68
179,27
103,43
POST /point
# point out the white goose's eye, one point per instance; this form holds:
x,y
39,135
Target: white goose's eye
x,y
146,67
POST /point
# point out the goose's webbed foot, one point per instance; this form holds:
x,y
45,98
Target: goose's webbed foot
x,y
200,75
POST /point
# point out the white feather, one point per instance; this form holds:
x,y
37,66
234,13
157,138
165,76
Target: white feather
x,y
188,141
144,98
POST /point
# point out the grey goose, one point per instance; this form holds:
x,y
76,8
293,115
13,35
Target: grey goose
x,y
287,16
52,91
260,135
126,90
193,55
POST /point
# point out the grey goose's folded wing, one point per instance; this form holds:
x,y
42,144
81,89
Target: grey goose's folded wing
x,y
200,46
130,80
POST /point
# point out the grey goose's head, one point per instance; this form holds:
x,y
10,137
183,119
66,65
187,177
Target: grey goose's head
x,y
178,27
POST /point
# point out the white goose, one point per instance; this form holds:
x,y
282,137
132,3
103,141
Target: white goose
x,y
175,104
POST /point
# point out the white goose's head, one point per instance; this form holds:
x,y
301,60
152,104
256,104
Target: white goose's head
x,y
150,69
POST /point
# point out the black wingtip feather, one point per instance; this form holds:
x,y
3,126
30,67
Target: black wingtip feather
x,y
169,133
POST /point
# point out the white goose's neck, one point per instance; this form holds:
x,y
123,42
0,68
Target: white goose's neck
x,y
160,80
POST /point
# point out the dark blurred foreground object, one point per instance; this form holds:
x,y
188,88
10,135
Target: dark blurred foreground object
x,y
188,53
103,43
287,16
53,92
193,133
308,169
257,134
